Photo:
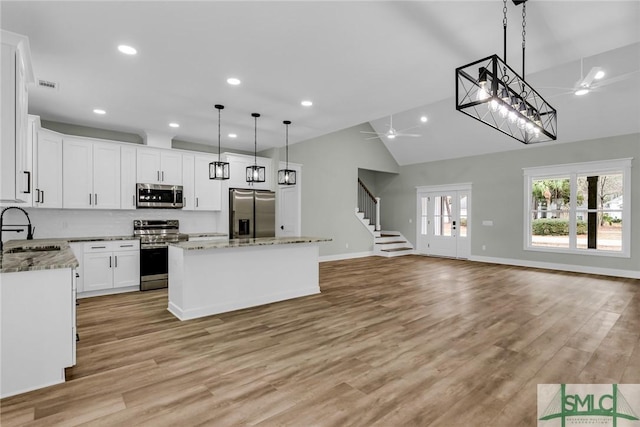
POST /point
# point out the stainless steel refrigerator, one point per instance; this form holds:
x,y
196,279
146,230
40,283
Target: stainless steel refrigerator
x,y
252,213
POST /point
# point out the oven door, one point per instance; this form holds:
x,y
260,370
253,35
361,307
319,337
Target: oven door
x,y
154,267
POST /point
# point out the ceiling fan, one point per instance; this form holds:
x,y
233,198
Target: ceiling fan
x,y
392,133
593,81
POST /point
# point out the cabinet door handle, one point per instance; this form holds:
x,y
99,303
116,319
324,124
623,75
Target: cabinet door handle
x,y
89,199
133,200
162,176
184,202
98,247
37,196
28,182
158,173
109,261
197,202
126,246
96,199
42,196
116,257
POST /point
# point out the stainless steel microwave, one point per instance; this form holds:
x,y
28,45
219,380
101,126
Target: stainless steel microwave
x,y
159,196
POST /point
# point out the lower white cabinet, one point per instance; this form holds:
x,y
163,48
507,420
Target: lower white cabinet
x,y
110,264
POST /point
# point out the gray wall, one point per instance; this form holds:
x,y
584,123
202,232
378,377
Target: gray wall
x,y
329,186
497,194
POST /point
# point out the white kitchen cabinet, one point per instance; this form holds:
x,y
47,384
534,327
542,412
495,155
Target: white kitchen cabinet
x,y
47,170
91,174
207,192
238,164
157,166
188,197
15,164
37,329
78,251
111,264
127,177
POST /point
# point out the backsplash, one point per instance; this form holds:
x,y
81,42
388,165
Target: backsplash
x,y
80,223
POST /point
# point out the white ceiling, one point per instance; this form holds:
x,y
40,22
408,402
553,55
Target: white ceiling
x,y
358,61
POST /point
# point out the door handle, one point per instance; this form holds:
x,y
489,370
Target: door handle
x,y
28,182
42,197
197,202
89,199
133,200
96,199
158,172
116,257
109,261
37,195
162,176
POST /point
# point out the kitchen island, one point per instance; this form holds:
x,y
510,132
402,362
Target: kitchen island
x,y
211,277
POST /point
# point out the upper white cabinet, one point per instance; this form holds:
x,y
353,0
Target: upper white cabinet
x,y
207,192
15,75
188,196
238,164
91,174
199,192
47,170
127,177
157,166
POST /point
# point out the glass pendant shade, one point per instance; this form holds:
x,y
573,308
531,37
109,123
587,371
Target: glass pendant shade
x,y
255,173
219,169
287,176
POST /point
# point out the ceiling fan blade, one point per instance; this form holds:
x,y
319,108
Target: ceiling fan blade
x,y
373,133
413,135
616,79
372,137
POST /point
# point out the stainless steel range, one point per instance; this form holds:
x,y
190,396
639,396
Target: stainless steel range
x,y
154,236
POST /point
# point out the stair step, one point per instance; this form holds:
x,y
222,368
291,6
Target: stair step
x,y
391,242
386,234
397,249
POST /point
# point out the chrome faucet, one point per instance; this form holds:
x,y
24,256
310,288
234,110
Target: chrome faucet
x,y
30,229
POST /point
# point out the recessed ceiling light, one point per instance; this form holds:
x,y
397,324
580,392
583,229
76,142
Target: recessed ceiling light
x,y
306,103
233,135
599,75
127,50
99,111
233,81
174,125
423,119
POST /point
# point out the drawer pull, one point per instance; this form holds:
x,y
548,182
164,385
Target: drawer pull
x,y
98,247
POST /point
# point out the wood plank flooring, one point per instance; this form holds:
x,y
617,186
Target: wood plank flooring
x,y
389,342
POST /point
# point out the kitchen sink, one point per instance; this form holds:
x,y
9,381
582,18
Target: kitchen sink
x,y
21,249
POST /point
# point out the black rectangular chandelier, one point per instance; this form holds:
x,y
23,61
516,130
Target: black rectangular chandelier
x,y
255,173
490,91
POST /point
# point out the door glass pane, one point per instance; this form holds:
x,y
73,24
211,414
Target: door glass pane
x,y
462,206
442,216
423,216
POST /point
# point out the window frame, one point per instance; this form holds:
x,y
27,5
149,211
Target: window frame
x,y
572,171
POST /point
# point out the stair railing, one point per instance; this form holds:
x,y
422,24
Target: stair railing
x,y
369,204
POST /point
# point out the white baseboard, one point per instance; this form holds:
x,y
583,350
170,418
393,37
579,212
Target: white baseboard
x,y
630,274
109,291
341,257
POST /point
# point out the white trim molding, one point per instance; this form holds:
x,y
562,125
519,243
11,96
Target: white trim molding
x,y
340,257
630,274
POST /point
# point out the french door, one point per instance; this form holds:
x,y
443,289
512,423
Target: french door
x,y
444,227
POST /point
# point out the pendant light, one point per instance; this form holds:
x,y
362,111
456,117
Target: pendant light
x,y
490,91
287,176
219,169
255,173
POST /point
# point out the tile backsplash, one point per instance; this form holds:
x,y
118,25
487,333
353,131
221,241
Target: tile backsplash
x,y
80,222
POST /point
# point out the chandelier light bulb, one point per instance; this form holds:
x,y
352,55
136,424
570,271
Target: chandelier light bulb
x,y
494,105
512,116
521,123
504,111
482,93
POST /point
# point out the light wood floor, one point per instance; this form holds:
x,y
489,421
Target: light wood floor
x,y
389,342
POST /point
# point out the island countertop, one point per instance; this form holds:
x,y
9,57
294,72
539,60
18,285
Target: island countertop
x,y
241,243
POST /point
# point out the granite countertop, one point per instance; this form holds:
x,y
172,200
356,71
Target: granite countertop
x,y
41,254
240,243
208,234
94,238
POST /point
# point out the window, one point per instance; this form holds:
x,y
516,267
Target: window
x,y
579,208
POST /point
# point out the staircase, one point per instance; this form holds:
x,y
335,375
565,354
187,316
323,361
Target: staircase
x,y
385,243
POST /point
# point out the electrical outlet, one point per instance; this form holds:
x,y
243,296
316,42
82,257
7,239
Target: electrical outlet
x,y
346,245
484,247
